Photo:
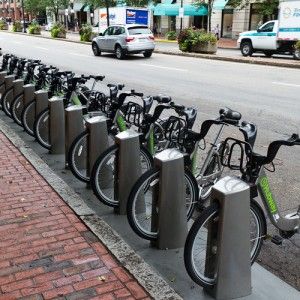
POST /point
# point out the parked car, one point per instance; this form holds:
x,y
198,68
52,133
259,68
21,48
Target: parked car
x,y
124,39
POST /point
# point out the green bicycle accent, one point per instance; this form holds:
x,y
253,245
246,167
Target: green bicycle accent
x,y
150,142
265,187
75,100
121,123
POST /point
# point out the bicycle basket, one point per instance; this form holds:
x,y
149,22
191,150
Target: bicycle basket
x,y
236,154
98,102
133,113
175,129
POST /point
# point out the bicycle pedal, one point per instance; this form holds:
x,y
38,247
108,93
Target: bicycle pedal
x,y
277,240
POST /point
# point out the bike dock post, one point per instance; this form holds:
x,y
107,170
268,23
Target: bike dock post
x,y
41,99
2,81
8,80
29,90
97,140
231,262
73,126
57,125
128,166
169,197
18,85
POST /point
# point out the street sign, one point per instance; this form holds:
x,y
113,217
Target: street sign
x,y
181,12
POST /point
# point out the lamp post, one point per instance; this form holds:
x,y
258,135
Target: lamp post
x,y
181,12
23,16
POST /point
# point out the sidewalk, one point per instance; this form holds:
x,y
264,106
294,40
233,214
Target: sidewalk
x,y
46,251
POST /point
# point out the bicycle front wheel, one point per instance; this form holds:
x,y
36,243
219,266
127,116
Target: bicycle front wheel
x,y
28,117
141,205
104,170
7,98
41,129
195,247
16,109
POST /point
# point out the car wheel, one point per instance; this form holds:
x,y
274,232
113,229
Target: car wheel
x,y
119,52
246,49
96,50
147,54
297,54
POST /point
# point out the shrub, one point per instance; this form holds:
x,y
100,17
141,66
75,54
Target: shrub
x,y
171,35
297,45
86,33
58,31
3,25
191,37
17,26
34,28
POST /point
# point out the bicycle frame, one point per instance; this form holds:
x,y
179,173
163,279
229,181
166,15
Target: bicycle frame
x,y
290,222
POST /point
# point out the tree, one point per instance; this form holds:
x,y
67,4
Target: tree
x,y
54,6
35,7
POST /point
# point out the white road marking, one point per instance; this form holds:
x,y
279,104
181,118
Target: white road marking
x,y
42,48
162,67
286,84
16,42
78,54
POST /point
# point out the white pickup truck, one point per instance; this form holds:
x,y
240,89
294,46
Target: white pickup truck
x,y
277,36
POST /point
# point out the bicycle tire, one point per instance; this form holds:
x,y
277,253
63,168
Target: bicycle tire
x,y
40,122
5,101
109,201
213,212
143,183
28,117
17,108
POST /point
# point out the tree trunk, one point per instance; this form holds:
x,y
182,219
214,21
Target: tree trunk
x,y
107,12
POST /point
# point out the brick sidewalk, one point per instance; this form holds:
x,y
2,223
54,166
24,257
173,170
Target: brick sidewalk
x,y
46,251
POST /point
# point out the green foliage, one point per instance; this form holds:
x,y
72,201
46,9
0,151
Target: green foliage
x,y
192,37
86,33
58,31
17,26
3,25
35,7
34,28
53,6
171,35
297,45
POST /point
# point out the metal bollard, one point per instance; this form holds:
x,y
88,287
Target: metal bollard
x,y
128,166
29,90
73,126
171,219
57,125
41,99
231,262
97,140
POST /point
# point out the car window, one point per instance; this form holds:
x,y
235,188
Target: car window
x,y
139,30
267,28
119,30
109,31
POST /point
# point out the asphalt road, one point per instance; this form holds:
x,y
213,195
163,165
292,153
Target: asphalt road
x,y
267,96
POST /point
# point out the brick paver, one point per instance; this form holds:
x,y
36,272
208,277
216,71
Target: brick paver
x,y
46,251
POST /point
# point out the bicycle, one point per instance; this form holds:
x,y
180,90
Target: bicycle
x,y
150,141
253,173
196,177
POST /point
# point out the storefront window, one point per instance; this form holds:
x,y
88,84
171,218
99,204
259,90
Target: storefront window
x,y
227,19
256,19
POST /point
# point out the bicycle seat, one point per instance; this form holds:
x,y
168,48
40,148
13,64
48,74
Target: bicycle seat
x,y
249,131
162,99
229,116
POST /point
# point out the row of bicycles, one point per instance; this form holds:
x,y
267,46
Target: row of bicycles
x,y
162,124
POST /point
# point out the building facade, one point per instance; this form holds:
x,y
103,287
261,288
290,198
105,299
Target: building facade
x,y
10,10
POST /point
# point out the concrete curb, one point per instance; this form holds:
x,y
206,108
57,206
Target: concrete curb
x,y
254,61
153,283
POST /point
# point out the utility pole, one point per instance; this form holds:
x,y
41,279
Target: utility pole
x,y
23,16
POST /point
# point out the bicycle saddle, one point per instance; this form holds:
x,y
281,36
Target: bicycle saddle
x,y
229,116
98,78
162,98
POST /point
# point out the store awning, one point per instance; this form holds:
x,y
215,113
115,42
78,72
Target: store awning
x,y
162,9
219,4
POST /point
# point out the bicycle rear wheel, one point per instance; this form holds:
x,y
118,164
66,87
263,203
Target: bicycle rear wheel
x,y
17,108
104,170
195,248
41,129
141,202
28,117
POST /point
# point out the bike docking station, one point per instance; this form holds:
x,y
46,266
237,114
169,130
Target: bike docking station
x,y
128,167
57,125
169,204
97,140
2,81
8,83
73,127
18,87
41,101
29,90
230,263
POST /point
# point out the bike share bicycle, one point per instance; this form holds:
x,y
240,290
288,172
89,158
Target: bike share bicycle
x,y
253,173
